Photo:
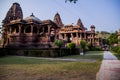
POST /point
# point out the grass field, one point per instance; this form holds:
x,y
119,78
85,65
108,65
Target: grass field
x,y
20,68
94,55
116,54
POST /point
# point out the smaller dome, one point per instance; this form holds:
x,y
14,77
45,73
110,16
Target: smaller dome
x,y
92,26
32,18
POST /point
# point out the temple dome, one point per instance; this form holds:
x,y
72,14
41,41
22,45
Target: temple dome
x,y
32,18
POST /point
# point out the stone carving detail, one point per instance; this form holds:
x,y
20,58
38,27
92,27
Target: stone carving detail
x,y
58,20
15,12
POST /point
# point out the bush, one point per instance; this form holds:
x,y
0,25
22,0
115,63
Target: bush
x,y
96,49
71,45
116,49
58,43
37,53
83,44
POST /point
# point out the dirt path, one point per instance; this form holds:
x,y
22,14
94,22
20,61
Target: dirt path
x,y
110,68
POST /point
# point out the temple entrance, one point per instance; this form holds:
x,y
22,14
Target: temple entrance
x,y
52,38
69,38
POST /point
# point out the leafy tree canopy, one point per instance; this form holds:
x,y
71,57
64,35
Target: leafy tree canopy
x,y
113,38
74,1
71,45
58,43
83,44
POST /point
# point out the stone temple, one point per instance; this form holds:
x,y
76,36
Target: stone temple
x,y
36,33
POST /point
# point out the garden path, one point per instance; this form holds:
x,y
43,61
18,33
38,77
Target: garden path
x,y
110,68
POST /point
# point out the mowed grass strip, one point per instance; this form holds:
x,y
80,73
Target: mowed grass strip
x,y
94,55
116,54
18,68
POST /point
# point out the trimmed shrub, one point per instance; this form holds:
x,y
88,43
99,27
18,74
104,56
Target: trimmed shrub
x,y
83,44
71,45
58,43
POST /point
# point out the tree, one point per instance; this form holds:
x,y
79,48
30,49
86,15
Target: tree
x,y
74,1
83,44
105,41
71,46
113,38
59,43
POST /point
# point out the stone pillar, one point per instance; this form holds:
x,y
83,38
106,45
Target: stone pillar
x,y
77,39
38,31
49,26
65,37
80,35
55,35
71,35
93,39
10,30
31,29
19,28
84,35
43,29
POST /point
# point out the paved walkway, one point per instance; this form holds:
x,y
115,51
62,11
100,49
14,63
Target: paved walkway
x,y
110,68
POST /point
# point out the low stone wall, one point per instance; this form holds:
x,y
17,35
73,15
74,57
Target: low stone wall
x,y
42,52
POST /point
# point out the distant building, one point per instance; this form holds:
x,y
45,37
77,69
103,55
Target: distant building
x,y
32,32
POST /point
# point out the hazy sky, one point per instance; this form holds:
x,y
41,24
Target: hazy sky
x,y
104,14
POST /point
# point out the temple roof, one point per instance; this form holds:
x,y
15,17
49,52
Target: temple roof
x,y
57,20
47,22
32,18
92,26
80,24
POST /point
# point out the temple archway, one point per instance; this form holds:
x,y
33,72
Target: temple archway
x,y
28,29
35,30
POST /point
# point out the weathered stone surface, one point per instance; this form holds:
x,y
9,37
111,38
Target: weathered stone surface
x,y
32,32
58,20
15,12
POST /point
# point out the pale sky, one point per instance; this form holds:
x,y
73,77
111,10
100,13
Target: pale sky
x,y
104,14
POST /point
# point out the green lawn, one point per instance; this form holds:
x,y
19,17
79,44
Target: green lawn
x,y
19,68
116,54
94,55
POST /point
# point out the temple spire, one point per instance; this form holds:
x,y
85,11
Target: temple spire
x,y
80,24
15,12
58,20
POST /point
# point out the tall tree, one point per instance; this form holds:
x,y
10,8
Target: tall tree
x,y
113,38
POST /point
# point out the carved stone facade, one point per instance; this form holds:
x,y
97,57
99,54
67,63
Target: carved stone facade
x,y
75,33
32,32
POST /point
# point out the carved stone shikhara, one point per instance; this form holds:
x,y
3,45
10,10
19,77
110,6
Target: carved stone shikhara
x,y
32,32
